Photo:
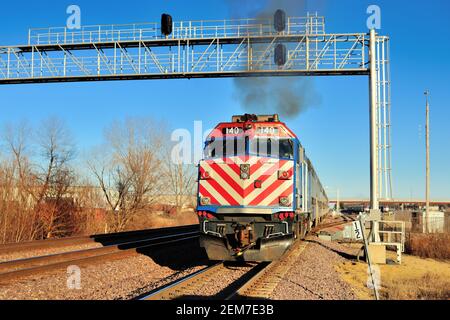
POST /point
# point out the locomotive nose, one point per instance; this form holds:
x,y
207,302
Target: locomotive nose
x,y
247,181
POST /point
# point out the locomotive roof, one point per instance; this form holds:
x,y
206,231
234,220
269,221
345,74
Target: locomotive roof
x,y
252,128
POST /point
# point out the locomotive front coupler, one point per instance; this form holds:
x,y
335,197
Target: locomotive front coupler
x,y
243,235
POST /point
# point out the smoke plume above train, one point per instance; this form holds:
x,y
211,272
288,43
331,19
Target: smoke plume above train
x,y
287,96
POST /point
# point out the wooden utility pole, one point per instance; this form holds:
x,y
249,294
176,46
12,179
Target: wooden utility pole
x,y
427,188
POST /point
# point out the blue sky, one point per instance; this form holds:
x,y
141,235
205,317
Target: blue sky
x,y
335,132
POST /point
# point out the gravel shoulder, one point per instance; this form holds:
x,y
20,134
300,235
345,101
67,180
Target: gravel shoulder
x,y
314,277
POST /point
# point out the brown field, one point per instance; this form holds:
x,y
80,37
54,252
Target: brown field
x,y
162,220
154,218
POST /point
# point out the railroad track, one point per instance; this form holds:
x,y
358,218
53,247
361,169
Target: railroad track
x,y
16,269
191,286
259,283
346,219
104,239
265,282
185,286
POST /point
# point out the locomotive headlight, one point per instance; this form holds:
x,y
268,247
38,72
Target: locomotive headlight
x,y
205,201
245,171
244,176
285,202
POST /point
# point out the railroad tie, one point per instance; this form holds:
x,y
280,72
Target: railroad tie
x,y
264,284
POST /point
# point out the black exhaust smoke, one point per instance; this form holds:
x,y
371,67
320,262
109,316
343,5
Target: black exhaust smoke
x,y
287,96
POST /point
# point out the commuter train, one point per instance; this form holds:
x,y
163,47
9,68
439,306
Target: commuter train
x,y
258,191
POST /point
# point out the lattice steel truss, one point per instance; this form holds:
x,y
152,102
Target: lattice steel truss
x,y
202,49
384,118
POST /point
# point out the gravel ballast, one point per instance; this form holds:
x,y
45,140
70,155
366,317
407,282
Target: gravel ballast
x,y
215,287
313,276
112,280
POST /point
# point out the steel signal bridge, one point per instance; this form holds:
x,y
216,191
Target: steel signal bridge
x,y
213,49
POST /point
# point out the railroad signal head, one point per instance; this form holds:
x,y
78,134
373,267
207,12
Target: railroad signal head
x,y
280,55
166,24
279,21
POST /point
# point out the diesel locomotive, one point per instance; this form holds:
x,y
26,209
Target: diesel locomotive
x,y
258,192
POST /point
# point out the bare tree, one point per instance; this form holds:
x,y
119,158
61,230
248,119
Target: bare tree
x,y
17,185
128,169
54,177
181,179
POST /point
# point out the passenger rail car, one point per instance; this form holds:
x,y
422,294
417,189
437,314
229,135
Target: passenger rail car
x,y
258,191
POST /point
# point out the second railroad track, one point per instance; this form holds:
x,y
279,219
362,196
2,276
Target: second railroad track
x,y
116,246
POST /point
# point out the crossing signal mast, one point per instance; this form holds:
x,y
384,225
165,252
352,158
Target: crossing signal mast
x,y
277,46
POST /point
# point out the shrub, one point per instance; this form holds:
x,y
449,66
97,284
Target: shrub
x,y
435,246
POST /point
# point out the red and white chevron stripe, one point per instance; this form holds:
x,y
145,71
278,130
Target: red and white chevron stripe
x,y
226,188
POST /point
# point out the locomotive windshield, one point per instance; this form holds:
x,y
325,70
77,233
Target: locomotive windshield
x,y
225,148
261,147
269,147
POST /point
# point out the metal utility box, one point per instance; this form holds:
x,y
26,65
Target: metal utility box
x,y
377,253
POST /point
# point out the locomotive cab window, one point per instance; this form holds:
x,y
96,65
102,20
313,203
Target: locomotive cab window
x,y
210,149
225,148
266,147
286,149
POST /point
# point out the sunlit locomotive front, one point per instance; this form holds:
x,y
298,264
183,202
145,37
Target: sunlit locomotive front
x,y
257,191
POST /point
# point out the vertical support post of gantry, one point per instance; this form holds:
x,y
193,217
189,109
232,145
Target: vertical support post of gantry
x,y
427,145
375,214
374,205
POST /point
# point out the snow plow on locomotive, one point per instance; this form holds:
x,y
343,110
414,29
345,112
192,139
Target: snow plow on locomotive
x,y
258,192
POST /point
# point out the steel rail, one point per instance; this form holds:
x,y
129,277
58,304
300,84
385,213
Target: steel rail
x,y
106,239
332,224
36,261
178,288
264,283
20,268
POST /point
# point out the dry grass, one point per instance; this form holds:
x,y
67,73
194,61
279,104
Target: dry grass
x,y
428,287
415,279
355,275
156,220
161,216
435,246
